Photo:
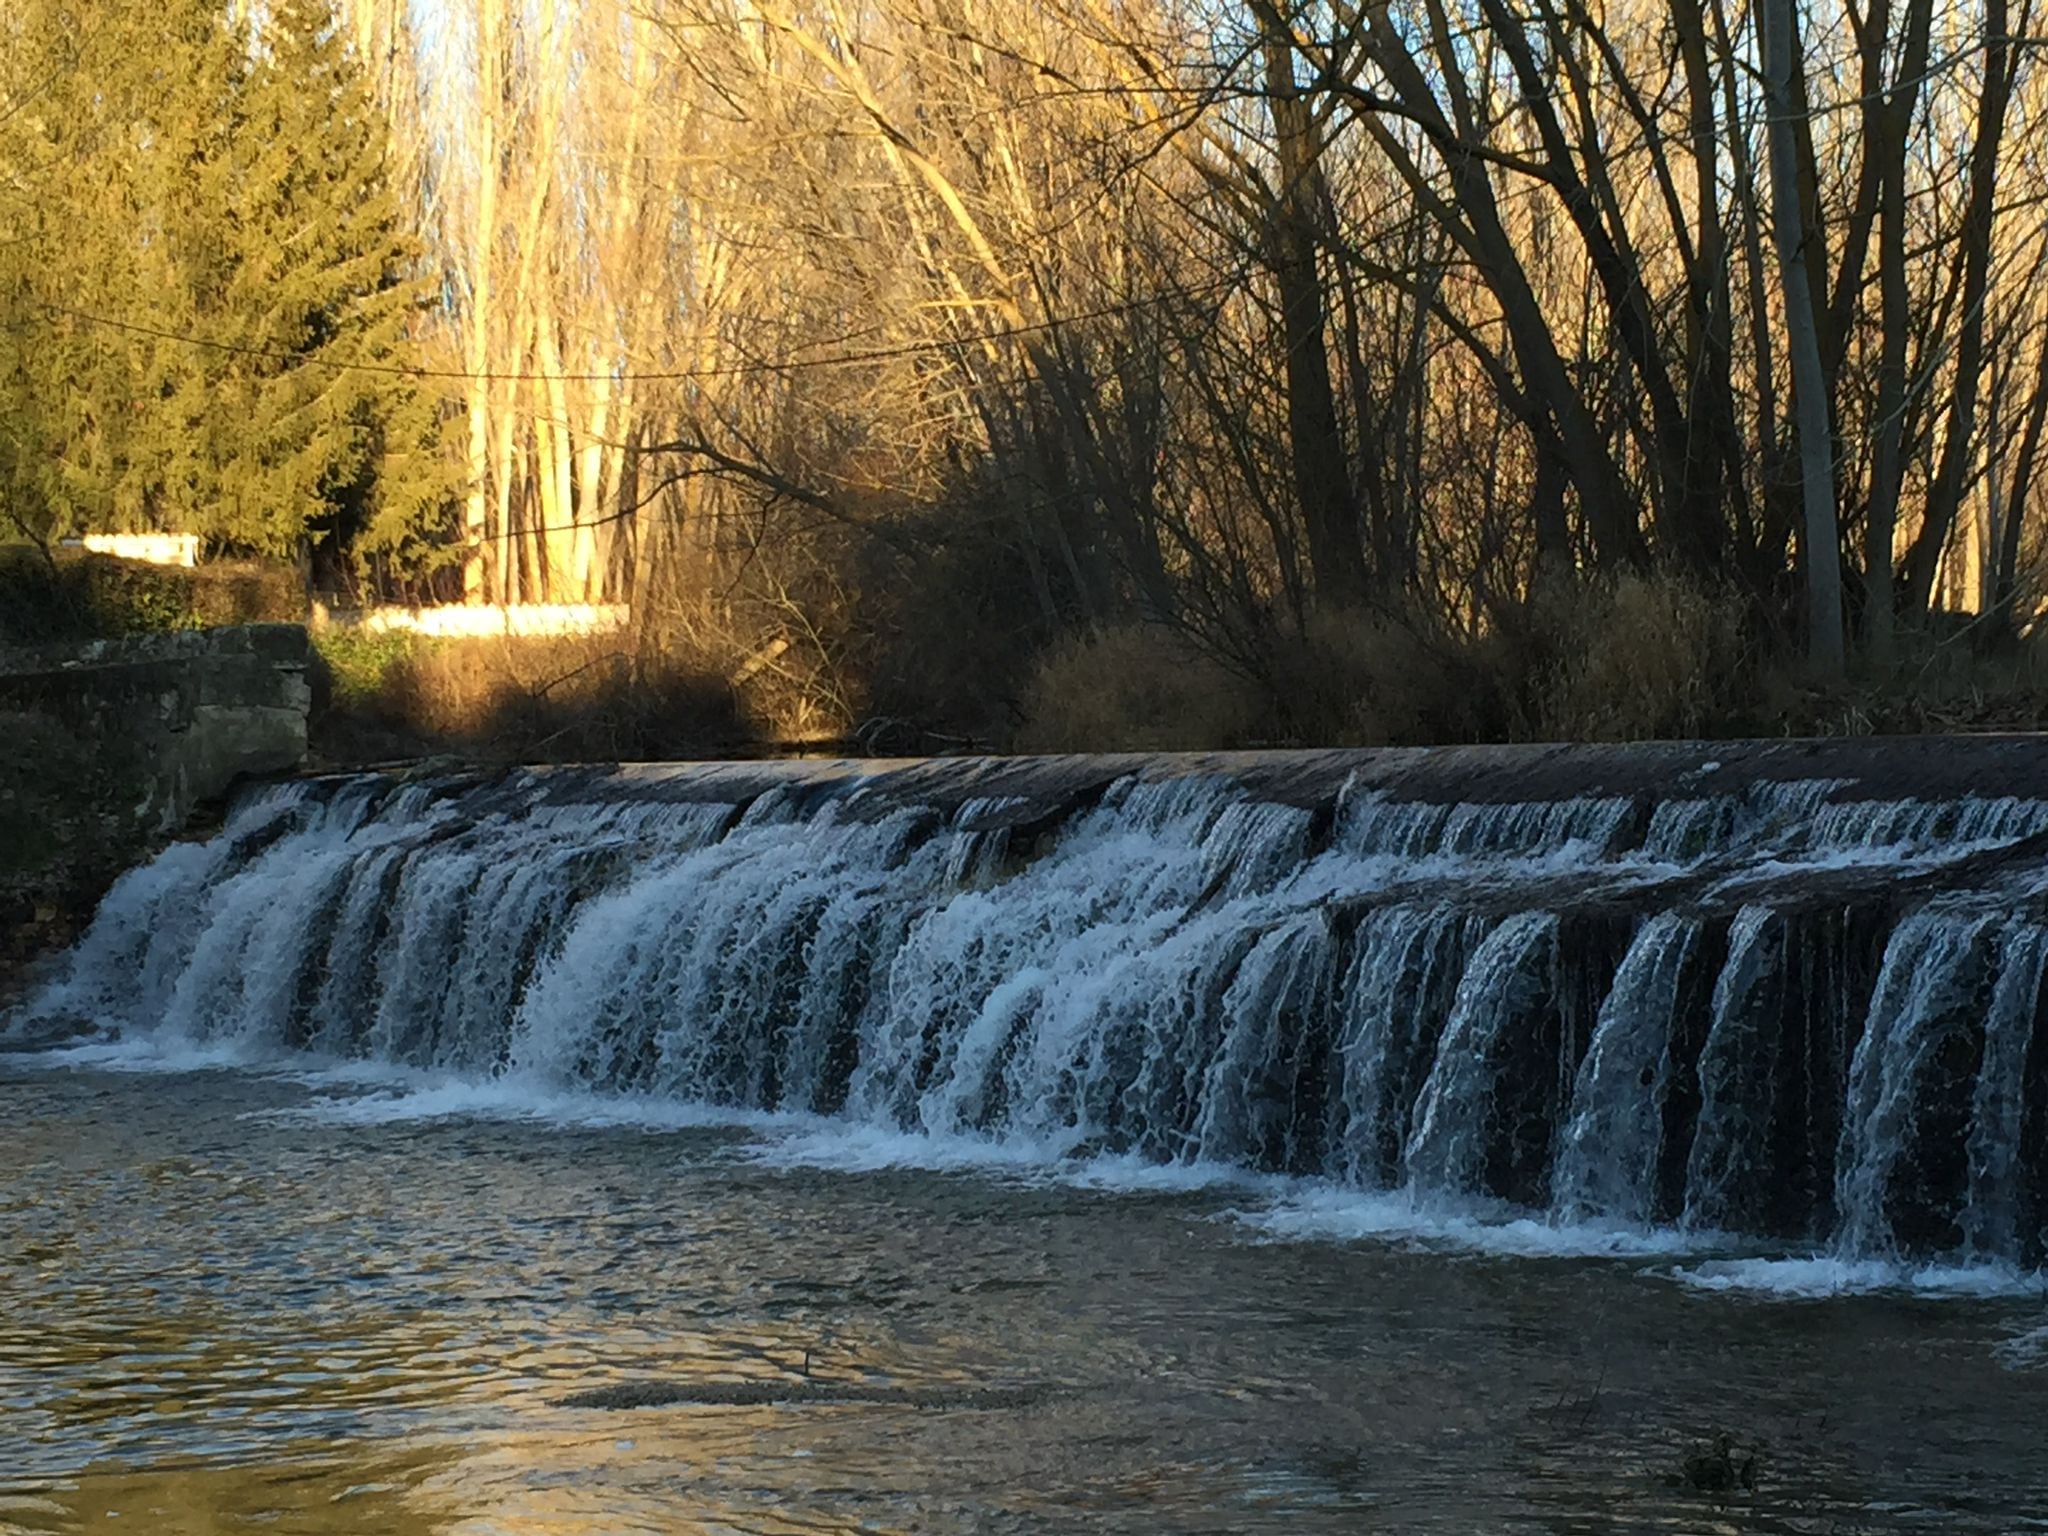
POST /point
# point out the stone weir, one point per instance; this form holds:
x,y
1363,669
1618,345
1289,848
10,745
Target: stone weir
x,y
1787,993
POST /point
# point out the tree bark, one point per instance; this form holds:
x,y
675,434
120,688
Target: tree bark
x,y
1322,479
1923,561
1820,552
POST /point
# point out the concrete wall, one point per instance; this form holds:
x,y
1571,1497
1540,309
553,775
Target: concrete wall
x,y
108,748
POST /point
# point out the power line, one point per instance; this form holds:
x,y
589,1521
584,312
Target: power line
x,y
724,370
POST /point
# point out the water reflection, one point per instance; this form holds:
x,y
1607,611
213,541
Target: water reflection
x,y
306,1490
212,1319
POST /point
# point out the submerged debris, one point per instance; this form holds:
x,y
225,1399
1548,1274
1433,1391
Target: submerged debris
x,y
795,1393
1719,1470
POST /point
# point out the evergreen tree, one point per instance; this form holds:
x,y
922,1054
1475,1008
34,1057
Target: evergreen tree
x,y
207,291
70,228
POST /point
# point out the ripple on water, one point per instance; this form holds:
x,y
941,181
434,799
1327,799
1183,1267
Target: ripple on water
x,y
225,1300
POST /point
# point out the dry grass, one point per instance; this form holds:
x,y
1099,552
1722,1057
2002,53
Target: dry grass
x,y
1938,682
596,698
1632,659
1134,688
1347,679
1359,678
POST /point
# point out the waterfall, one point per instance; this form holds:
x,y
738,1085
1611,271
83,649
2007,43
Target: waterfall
x,y
1509,978
1607,1163
1404,971
1800,1008
1738,1072
1932,1000
1992,1214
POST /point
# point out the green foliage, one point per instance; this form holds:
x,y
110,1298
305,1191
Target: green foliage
x,y
358,664
225,202
73,596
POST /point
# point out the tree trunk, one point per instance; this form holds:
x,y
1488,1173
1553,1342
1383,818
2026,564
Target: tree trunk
x,y
1322,480
1820,548
2005,577
476,515
1923,561
1881,525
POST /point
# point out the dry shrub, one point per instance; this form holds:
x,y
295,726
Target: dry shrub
x,y
1956,672
1363,678
944,635
1135,688
1346,678
592,698
1632,658
775,628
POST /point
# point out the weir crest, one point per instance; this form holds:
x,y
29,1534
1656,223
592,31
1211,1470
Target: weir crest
x,y
1789,993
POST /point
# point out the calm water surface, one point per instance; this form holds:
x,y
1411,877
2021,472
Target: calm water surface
x,y
219,1314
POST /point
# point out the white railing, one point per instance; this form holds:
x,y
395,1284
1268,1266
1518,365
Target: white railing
x,y
473,620
155,548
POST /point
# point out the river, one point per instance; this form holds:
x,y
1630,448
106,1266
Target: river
x,y
1525,1139
313,1303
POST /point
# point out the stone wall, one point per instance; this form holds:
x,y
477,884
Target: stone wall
x,y
109,748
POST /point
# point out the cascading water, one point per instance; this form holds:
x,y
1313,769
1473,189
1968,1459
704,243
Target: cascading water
x,y
1788,1009
1607,1156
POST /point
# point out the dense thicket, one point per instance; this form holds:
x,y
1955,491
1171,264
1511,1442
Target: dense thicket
x,y
895,346
58,597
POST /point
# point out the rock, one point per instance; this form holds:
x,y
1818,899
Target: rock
x,y
45,1034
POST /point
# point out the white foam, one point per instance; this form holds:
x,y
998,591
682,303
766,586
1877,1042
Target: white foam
x,y
167,1054
837,1146
1330,1213
1135,1175
375,1093
397,1097
1822,1277
360,1094
850,1147
1335,1214
2026,1350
